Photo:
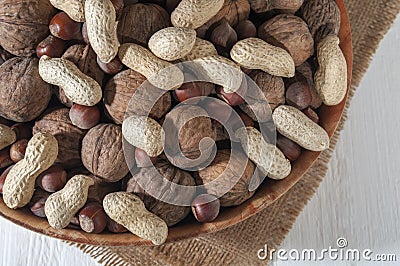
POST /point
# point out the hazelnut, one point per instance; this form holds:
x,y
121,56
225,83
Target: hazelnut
x,y
84,117
245,29
298,95
112,68
115,227
22,130
224,35
290,149
17,150
310,113
92,218
51,46
205,208
143,160
85,34
53,179
118,5
3,177
63,27
5,159
235,98
36,205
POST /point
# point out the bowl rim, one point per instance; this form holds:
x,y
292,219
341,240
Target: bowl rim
x,y
269,193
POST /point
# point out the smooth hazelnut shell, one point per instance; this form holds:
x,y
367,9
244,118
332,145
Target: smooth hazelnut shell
x,y
63,27
51,46
205,208
5,159
92,218
53,179
142,158
22,130
290,149
298,95
18,149
3,177
84,117
112,68
115,227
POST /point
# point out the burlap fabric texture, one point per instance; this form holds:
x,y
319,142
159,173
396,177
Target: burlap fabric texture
x,y
237,245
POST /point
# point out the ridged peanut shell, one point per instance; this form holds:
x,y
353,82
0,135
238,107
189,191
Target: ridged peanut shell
x,y
41,153
7,136
219,70
78,87
60,207
160,73
144,133
172,43
254,53
331,77
75,9
192,14
201,48
101,28
268,157
129,211
296,126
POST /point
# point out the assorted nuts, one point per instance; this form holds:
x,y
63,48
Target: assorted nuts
x,y
80,159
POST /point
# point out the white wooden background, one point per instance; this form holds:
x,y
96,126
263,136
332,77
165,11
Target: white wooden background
x,y
358,200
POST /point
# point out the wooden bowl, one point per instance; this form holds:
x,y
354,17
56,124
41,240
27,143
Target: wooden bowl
x,y
265,195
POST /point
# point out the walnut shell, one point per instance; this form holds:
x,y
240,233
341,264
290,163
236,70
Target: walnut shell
x,y
69,137
191,124
226,174
85,59
23,24
273,89
139,22
120,90
233,11
4,56
290,33
171,214
24,95
287,6
102,152
322,17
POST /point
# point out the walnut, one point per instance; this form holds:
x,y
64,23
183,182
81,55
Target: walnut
x,y
69,137
140,21
273,89
23,24
24,95
185,128
286,6
120,90
229,175
102,152
322,17
233,11
84,58
4,56
171,214
290,33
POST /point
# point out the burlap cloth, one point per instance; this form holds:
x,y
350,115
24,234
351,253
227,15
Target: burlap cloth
x,y
238,245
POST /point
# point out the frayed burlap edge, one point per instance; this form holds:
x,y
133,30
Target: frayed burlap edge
x,y
237,245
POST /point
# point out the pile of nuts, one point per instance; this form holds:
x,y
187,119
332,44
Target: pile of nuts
x,y
65,105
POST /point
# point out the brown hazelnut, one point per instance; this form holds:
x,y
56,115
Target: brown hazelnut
x,y
92,218
22,130
205,208
85,34
112,68
142,158
235,98
245,29
233,11
224,35
63,27
191,88
5,159
306,71
51,46
3,177
84,117
290,149
115,227
298,95
17,150
53,179
118,5
36,205
310,113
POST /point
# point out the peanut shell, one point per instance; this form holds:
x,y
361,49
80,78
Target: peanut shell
x,y
7,136
74,8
